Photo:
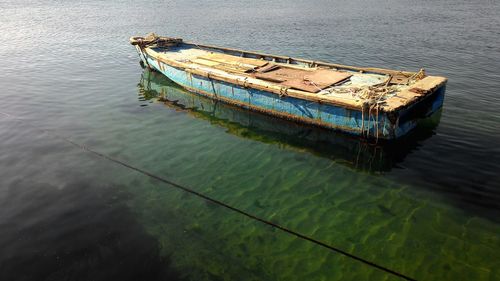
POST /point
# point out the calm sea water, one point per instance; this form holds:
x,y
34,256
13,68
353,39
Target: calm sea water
x,y
428,206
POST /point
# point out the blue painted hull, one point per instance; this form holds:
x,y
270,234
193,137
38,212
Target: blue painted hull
x,y
378,125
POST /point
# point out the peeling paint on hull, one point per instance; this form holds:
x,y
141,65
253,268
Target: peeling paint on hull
x,y
378,125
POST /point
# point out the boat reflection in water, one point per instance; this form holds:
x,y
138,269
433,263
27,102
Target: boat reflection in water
x,y
342,148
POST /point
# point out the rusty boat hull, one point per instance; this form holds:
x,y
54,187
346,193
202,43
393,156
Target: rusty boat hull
x,y
368,102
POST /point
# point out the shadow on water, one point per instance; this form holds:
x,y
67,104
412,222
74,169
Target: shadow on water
x,y
75,232
349,150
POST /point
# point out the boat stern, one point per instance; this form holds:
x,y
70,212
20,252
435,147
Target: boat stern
x,y
428,100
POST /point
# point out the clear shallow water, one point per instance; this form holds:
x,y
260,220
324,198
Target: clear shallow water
x,y
427,207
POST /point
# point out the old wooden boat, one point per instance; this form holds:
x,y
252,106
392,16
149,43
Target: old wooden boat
x,y
369,102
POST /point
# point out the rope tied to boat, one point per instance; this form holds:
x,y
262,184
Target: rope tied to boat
x,y
418,76
283,92
242,82
153,40
213,200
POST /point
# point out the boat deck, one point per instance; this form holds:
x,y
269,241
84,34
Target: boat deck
x,y
321,82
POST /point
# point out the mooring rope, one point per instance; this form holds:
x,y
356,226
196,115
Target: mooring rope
x,y
220,203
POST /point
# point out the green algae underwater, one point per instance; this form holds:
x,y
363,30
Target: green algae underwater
x,y
391,223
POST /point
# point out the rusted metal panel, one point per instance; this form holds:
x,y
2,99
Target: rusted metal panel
x,y
318,80
311,81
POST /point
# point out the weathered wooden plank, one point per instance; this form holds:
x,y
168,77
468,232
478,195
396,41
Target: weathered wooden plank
x,y
417,90
228,59
205,62
429,83
269,57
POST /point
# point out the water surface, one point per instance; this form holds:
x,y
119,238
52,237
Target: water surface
x,y
428,206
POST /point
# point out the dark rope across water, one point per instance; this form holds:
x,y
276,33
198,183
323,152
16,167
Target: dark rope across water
x,y
220,203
